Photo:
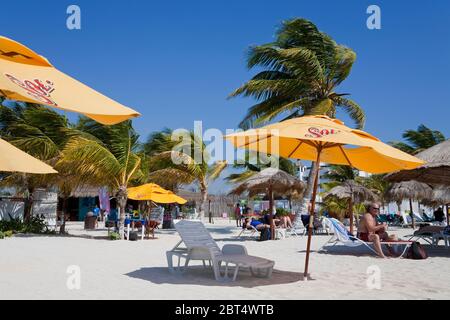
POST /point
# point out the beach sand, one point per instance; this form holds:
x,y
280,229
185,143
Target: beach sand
x,y
36,267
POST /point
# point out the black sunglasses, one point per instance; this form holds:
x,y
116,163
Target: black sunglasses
x,y
378,209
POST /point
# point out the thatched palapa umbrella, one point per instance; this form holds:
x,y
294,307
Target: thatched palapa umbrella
x,y
411,190
441,197
273,182
436,171
354,193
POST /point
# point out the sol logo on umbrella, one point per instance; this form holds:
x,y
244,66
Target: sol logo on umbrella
x,y
319,133
39,90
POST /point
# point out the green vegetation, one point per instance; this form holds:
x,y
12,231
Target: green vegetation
x,y
114,236
419,140
282,212
35,225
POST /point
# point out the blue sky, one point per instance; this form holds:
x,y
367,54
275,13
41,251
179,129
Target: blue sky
x,y
176,61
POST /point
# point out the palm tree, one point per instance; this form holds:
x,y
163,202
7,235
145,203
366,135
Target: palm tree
x,y
171,166
419,140
42,133
106,156
303,68
339,174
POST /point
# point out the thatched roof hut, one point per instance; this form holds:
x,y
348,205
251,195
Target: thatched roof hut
x,y
436,171
441,196
277,181
85,192
351,189
413,190
410,190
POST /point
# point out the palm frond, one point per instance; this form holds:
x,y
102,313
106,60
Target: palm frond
x,y
216,170
353,109
91,161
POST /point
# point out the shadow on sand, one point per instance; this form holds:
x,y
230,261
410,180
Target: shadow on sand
x,y
198,275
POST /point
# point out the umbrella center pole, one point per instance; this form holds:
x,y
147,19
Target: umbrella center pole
x,y
311,214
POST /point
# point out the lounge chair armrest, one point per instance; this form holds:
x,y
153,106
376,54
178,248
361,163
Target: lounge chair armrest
x,y
234,249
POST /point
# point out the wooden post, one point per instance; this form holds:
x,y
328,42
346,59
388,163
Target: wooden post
x,y
209,211
271,213
311,215
350,208
448,215
412,214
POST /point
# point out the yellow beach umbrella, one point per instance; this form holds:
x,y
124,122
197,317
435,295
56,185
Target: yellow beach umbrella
x,y
29,77
155,193
322,139
13,159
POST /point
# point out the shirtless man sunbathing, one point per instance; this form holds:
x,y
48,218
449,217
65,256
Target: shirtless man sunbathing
x,y
370,231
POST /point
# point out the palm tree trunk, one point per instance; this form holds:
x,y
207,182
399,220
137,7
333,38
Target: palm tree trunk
x,y
307,195
204,193
310,182
62,229
28,205
122,202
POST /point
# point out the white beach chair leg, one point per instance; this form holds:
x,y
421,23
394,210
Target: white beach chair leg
x,y
236,270
170,261
128,231
226,270
216,269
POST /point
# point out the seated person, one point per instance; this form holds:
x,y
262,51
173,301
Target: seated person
x,y
316,224
370,231
439,215
283,221
258,225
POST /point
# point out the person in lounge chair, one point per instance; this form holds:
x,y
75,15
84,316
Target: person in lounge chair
x,y
370,231
258,225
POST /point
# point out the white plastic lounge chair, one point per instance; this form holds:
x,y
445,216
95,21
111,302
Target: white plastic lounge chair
x,y
298,228
441,236
248,231
340,235
201,246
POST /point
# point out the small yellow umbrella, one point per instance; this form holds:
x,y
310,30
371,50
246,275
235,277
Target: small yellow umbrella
x,y
155,193
322,139
29,77
13,159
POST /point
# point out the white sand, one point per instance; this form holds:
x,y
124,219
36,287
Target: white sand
x,y
36,268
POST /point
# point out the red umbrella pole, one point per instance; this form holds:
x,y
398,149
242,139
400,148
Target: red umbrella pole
x,y
311,215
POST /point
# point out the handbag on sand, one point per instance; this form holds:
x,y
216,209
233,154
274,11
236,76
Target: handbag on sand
x,y
416,252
